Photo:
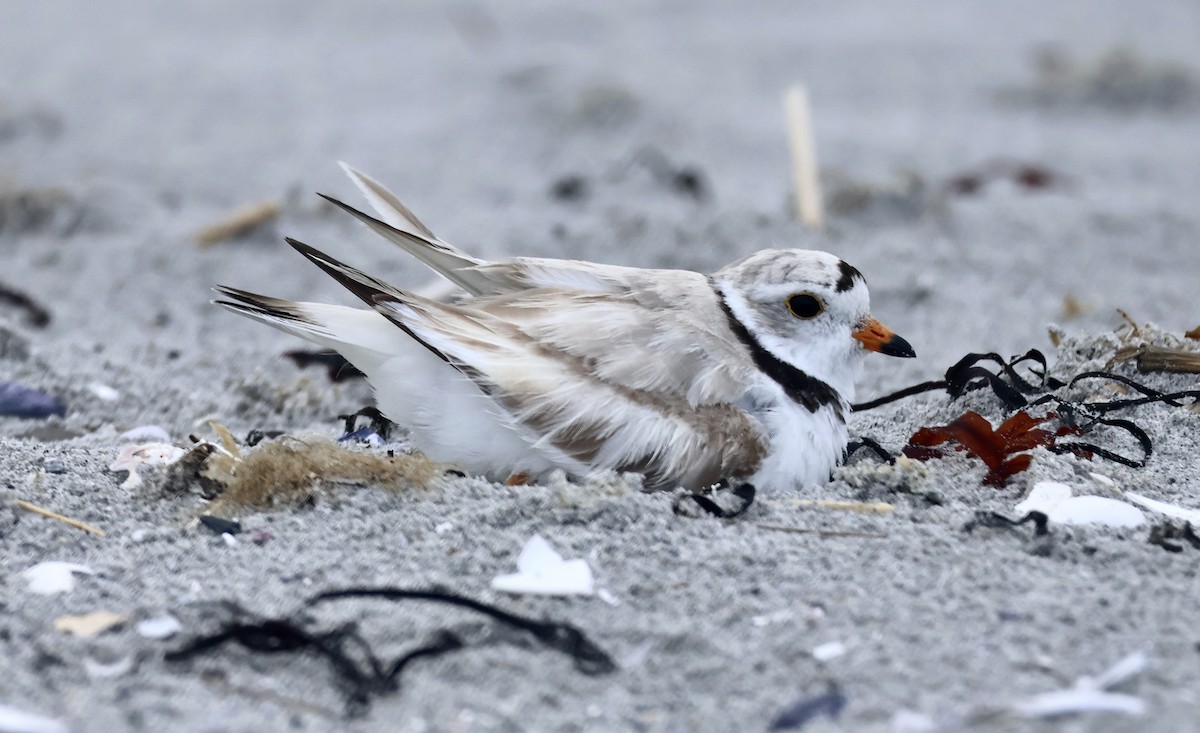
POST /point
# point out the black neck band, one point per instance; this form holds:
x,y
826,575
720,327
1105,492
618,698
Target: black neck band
x,y
803,389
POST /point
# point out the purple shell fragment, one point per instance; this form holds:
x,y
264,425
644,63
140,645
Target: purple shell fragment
x,y
19,401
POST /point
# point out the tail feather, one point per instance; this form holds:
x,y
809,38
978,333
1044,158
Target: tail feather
x,y
386,204
447,261
364,337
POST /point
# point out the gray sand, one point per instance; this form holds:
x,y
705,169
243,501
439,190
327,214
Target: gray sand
x,y
122,134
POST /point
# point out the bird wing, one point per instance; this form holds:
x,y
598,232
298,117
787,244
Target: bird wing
x,y
397,224
554,361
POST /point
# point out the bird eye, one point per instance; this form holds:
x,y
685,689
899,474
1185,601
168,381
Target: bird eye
x,y
804,305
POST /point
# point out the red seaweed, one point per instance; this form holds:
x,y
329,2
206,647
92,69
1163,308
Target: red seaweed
x,y
1002,449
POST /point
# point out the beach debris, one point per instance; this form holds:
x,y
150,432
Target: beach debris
x,y
335,365
99,670
1120,80
1089,694
145,434
1073,307
361,674
51,577
801,143
1003,450
822,533
1055,500
239,223
291,470
828,704
542,571
220,526
1023,175
15,720
1170,510
862,507
104,392
1193,334
52,210
91,624
870,444
260,537
132,458
20,401
159,627
829,650
1165,534
1150,359
994,520
54,465
904,197
711,501
36,314
34,509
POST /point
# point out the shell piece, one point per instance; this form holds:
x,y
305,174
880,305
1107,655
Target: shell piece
x,y
1162,507
48,578
1055,501
132,457
542,571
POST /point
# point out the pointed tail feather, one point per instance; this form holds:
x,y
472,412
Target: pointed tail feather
x,y
386,204
449,262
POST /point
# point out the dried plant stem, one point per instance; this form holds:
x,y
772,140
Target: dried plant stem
x,y
239,222
866,507
33,508
804,157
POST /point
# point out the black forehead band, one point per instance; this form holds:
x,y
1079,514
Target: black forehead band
x,y
848,275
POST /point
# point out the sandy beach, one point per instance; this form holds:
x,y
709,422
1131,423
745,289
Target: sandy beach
x,y
1005,176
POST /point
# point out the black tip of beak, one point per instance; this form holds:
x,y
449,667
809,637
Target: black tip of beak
x,y
896,346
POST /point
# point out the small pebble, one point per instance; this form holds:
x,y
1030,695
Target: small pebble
x,y
55,465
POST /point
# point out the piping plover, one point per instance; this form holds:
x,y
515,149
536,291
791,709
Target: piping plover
x,y
746,374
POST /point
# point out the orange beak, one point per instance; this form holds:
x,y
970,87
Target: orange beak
x,y
877,337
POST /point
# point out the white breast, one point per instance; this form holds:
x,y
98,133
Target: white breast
x,y
805,446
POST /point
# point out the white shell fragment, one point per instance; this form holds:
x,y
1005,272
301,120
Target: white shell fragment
x,y
1162,507
1089,694
104,392
132,457
48,578
13,720
161,627
98,670
1056,502
828,651
542,571
89,625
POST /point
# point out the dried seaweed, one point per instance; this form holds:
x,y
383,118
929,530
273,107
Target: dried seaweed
x,y
36,315
359,671
1165,534
995,520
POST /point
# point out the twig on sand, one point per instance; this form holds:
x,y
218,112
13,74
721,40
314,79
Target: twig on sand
x,y
239,222
865,507
804,157
822,533
33,508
